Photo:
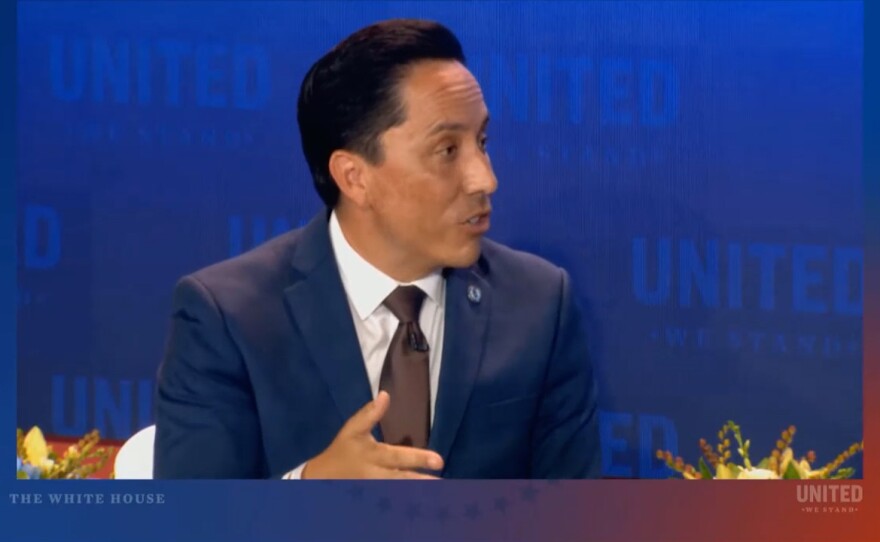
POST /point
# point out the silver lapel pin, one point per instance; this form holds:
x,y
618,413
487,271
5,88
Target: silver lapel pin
x,y
474,294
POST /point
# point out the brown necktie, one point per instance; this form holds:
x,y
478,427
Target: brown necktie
x,y
405,373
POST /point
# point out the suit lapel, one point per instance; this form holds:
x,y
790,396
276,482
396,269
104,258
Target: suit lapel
x,y
463,344
319,308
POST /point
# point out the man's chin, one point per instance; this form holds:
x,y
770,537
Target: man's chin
x,y
465,258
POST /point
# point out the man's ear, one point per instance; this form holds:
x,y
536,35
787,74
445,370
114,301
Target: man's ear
x,y
349,171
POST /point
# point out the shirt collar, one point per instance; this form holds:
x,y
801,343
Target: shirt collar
x,y
367,286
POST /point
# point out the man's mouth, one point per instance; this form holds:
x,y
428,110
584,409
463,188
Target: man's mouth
x,y
475,219
478,223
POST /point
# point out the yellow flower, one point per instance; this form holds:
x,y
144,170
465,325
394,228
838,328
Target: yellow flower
x,y
787,457
806,472
35,448
722,472
72,452
757,474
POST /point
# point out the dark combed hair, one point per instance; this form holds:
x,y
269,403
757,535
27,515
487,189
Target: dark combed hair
x,y
350,96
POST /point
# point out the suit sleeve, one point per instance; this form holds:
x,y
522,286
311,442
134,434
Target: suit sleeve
x,y
206,420
566,437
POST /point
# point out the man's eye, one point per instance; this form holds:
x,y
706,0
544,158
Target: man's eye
x,y
449,150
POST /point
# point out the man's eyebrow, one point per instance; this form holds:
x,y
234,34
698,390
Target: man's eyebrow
x,y
454,127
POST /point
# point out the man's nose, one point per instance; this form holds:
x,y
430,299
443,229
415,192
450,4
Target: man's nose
x,y
480,177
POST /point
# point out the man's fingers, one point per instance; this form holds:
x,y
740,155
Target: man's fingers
x,y
393,474
410,475
369,415
384,460
406,458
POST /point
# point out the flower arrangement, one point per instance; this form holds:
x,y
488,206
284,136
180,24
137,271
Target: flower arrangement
x,y
780,464
36,459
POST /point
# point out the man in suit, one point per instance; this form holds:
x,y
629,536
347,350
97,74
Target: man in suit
x,y
387,338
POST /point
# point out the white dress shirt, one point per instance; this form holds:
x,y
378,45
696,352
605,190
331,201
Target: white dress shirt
x,y
366,287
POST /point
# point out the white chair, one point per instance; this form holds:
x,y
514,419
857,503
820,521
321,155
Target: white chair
x,y
134,461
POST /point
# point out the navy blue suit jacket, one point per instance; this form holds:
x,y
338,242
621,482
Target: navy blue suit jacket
x,y
263,367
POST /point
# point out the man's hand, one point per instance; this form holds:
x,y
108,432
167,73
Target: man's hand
x,y
354,453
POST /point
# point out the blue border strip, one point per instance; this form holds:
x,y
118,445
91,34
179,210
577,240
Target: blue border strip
x,y
871,132
8,291
871,177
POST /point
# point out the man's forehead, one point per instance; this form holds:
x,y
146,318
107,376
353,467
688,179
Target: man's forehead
x,y
438,80
436,68
450,125
442,96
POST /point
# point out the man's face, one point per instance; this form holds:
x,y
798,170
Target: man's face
x,y
430,194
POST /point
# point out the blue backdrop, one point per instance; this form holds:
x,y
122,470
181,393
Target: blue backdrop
x,y
695,166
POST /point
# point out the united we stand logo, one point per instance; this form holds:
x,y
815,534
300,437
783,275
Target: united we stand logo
x,y
829,498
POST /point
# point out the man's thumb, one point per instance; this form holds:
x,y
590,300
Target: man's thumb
x,y
370,414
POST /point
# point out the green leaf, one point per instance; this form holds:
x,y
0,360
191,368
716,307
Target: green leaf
x,y
764,464
734,471
704,470
791,473
20,475
842,474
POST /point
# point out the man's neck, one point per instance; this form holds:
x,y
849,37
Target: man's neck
x,y
362,236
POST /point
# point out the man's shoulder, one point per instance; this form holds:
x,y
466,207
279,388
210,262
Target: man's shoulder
x,y
261,269
509,265
528,290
